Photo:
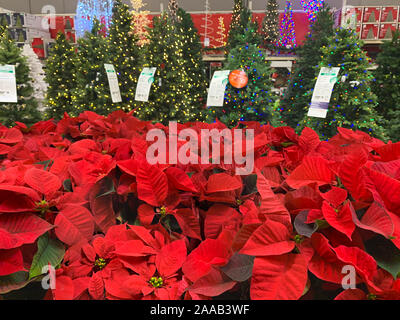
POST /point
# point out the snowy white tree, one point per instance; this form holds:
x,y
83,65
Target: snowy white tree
x,y
37,75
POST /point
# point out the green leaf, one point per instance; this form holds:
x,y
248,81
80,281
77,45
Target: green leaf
x,y
250,184
106,187
67,184
50,251
47,164
386,254
322,224
13,282
240,267
190,174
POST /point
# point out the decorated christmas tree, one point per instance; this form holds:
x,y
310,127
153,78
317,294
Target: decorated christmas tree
x,y
193,62
241,17
88,11
254,102
221,40
26,109
287,37
140,22
352,103
387,85
312,7
173,10
171,96
60,76
270,29
124,53
92,89
37,75
207,25
296,99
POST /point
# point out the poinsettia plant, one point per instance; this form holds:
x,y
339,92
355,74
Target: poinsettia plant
x,y
79,196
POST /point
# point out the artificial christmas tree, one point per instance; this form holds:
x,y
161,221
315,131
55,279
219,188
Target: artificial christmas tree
x,y
312,7
124,53
352,103
287,37
221,40
170,98
207,25
193,62
270,30
88,11
241,17
26,109
60,76
296,99
37,75
387,85
140,22
173,10
255,101
92,89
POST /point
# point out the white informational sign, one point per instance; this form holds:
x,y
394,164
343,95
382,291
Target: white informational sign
x,y
216,93
145,81
8,84
323,92
113,83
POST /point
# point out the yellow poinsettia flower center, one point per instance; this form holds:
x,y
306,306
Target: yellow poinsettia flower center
x,y
156,282
163,211
42,206
100,263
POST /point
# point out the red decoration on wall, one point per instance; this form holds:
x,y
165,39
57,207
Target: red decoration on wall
x,y
300,20
38,47
369,32
389,14
387,30
372,14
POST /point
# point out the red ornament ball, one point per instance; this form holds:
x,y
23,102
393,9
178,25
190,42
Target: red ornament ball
x,y
238,79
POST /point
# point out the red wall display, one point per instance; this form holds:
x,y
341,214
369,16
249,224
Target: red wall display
x,y
301,24
371,14
358,30
389,14
38,47
386,30
369,31
359,13
60,25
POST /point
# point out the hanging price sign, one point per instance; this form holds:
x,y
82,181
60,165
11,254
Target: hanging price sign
x,y
323,92
145,81
8,84
113,83
216,93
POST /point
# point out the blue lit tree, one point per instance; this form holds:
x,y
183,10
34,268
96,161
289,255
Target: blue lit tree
x,y
88,10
